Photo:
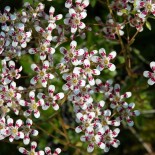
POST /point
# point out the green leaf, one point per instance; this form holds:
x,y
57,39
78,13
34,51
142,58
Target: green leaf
x,y
26,62
148,25
93,3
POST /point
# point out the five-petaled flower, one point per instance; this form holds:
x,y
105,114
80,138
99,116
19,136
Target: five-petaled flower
x,y
12,131
8,74
33,106
32,151
104,61
50,99
42,75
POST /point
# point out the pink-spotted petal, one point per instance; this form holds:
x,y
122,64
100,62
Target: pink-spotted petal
x,y
35,68
90,147
40,102
73,44
82,25
72,12
26,140
11,64
46,64
91,80
51,89
29,122
48,150
34,132
20,135
55,106
36,114
102,52
68,3
44,83
19,122
10,122
32,95
51,10
23,150
146,74
73,29
33,145
111,67
95,72
83,15
57,151
78,129
112,55
86,63
152,65
79,52
32,51
150,82
40,153
95,59
58,96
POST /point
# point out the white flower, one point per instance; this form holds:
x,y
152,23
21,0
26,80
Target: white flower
x,y
32,151
150,75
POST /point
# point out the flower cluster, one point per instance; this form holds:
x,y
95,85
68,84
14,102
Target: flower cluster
x,y
35,34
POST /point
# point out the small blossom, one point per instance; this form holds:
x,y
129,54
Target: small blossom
x,y
150,75
87,72
116,98
48,151
104,61
12,131
108,138
28,131
73,19
74,82
33,106
8,74
41,74
72,55
32,151
94,137
50,99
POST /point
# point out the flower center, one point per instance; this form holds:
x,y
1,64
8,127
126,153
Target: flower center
x,y
42,48
11,93
76,21
19,38
107,138
106,61
117,98
3,19
32,153
86,125
104,123
149,7
75,81
1,102
26,129
13,73
93,139
84,89
1,126
4,109
42,73
70,55
34,106
14,131
1,42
